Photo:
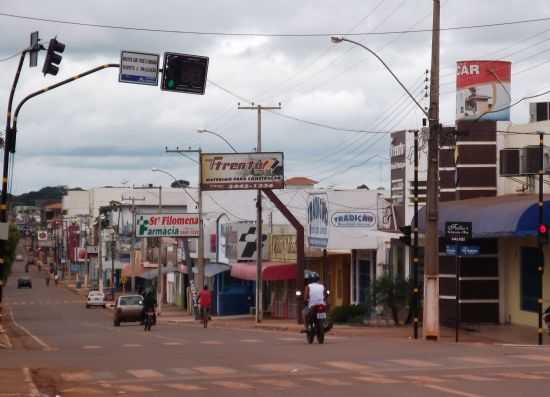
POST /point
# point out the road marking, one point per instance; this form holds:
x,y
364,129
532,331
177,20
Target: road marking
x,y
424,379
233,385
451,391
172,343
250,341
136,389
87,391
415,363
475,378
329,382
479,360
185,387
132,345
91,347
286,367
521,375
44,345
278,383
211,342
76,376
350,366
534,357
34,392
145,373
377,379
215,370
289,339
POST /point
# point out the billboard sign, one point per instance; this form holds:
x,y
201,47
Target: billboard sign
x,y
317,220
483,90
240,242
458,232
139,68
168,225
242,171
353,219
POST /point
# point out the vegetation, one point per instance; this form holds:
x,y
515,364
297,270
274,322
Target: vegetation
x,y
348,314
44,195
393,294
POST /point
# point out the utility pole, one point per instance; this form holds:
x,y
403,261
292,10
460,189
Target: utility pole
x,y
200,274
100,253
416,300
259,242
540,241
431,251
133,199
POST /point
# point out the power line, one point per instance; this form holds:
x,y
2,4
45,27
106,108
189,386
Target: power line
x,y
11,56
513,104
284,35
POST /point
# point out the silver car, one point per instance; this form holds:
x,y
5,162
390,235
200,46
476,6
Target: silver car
x,y
128,308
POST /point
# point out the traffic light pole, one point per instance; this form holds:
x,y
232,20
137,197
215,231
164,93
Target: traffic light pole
x,y
9,143
11,133
540,240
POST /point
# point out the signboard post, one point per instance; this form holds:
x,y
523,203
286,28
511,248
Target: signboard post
x,y
139,68
242,171
168,225
459,233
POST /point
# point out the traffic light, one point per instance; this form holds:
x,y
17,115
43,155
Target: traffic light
x,y
406,238
53,59
184,73
543,233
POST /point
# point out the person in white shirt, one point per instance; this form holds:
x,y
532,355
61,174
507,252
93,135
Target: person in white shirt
x,y
314,295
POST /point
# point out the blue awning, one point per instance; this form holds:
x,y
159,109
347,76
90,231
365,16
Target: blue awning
x,y
503,216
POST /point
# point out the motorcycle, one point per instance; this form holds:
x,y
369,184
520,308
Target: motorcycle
x,y
546,318
317,324
148,320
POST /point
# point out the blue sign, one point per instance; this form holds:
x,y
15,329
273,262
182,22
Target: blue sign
x,y
75,267
462,250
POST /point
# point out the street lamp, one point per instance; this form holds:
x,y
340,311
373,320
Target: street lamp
x,y
205,131
338,40
178,183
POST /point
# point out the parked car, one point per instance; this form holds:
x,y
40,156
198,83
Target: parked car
x,y
24,282
128,308
18,257
95,298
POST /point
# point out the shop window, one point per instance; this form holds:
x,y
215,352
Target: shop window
x,y
529,278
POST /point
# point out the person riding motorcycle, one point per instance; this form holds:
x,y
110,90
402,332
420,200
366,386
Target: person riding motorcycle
x,y
315,294
149,304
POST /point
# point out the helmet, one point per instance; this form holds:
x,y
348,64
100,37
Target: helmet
x,y
314,278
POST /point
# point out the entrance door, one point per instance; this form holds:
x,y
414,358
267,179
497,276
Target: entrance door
x,y
360,280
530,285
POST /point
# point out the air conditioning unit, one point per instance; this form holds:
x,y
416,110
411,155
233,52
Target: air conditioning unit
x,y
509,162
529,160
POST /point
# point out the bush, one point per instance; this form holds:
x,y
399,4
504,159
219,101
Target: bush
x,y
348,313
392,293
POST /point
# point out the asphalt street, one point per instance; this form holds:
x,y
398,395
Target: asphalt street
x,y
73,351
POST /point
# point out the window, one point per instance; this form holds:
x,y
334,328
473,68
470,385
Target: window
x,y
529,278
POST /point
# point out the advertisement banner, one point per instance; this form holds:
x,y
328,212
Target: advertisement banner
x,y
483,90
317,220
168,225
242,171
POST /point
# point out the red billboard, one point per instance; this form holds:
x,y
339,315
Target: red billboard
x,y
483,90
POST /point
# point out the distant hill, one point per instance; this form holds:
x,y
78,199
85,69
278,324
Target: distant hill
x,y
43,196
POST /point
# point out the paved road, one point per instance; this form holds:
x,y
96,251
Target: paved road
x,y
76,351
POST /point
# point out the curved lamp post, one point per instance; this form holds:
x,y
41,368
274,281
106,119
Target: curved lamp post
x,y
205,131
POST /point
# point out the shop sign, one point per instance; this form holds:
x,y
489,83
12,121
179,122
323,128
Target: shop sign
x,y
458,232
168,225
317,220
242,171
353,219
283,247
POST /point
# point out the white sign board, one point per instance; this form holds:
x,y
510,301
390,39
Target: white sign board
x,y
139,68
168,225
317,220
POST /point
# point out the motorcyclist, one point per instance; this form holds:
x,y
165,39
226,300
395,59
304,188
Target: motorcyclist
x,y
314,295
149,303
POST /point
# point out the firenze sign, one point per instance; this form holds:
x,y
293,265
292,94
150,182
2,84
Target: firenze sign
x,y
168,225
242,171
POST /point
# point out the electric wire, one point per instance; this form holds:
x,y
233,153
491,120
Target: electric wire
x,y
11,56
257,34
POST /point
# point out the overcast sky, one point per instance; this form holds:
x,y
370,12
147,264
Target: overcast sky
x,y
97,131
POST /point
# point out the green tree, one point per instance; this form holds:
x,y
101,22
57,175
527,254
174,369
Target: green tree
x,y
393,293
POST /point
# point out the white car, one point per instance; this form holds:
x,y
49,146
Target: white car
x,y
19,257
95,298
